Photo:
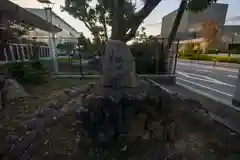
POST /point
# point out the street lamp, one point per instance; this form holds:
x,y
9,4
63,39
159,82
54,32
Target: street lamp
x,y
233,36
48,5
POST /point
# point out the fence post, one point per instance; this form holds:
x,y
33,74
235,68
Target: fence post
x,y
5,53
176,57
157,57
11,50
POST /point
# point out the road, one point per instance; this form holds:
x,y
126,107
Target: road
x,y
212,81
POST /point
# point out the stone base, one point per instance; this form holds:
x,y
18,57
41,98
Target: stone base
x,y
108,91
236,102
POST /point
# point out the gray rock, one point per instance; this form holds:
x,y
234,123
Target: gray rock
x,y
44,112
82,113
37,124
14,90
70,92
54,106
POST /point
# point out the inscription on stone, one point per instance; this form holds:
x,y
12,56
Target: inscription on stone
x,y
118,66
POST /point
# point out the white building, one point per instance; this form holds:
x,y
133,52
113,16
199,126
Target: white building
x,y
68,33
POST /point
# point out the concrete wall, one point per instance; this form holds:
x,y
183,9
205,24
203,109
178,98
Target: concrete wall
x,y
227,33
216,12
167,23
194,20
67,32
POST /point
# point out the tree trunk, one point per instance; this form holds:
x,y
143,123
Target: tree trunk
x,y
118,20
176,24
172,35
104,26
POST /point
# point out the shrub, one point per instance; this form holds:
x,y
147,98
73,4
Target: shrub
x,y
144,66
148,66
205,57
144,63
234,60
28,72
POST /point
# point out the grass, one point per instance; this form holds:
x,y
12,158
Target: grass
x,y
225,55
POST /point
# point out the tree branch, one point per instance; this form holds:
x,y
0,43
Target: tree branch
x,y
135,21
176,24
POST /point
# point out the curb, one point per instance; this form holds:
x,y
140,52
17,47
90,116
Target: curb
x,y
208,96
218,119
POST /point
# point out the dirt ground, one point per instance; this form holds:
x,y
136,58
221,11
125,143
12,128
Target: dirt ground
x,y
18,111
192,140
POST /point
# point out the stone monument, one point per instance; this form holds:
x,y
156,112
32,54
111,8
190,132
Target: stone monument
x,y
118,66
118,105
118,71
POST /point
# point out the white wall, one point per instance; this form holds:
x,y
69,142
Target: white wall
x,y
67,31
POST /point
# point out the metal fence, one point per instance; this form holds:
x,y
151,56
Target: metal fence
x,y
74,60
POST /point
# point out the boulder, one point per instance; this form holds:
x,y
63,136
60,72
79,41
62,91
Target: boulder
x,y
14,90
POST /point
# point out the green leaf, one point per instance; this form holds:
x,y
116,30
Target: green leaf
x,y
199,5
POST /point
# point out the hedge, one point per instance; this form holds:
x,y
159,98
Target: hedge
x,y
204,57
28,72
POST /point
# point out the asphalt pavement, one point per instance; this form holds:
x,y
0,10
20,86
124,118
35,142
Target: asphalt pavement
x,y
216,82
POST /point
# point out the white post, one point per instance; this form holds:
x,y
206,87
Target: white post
x,y
28,54
31,51
5,54
52,45
11,50
23,54
19,58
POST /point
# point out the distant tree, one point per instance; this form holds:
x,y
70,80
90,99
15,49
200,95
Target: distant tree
x,y
66,46
11,30
209,31
141,36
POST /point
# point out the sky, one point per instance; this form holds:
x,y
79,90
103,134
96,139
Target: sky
x,y
152,23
